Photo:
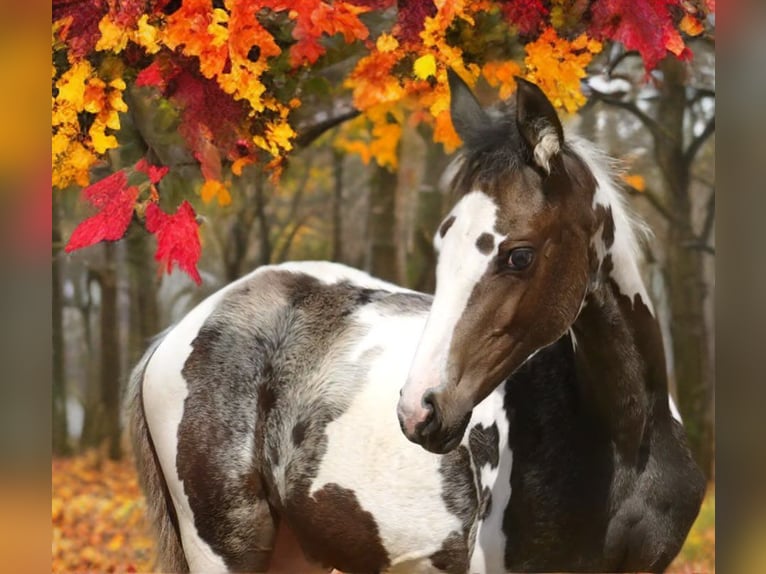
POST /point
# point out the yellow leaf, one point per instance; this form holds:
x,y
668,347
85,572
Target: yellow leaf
x,y
425,66
116,542
113,37
101,141
214,189
386,43
146,35
239,164
690,25
635,181
71,85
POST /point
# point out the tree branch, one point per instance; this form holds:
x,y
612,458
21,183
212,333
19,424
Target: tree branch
x,y
696,144
705,248
655,202
707,225
310,133
700,94
616,62
650,123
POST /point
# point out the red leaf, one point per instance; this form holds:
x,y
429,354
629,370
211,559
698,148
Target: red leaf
x,y
177,238
410,18
115,201
81,33
155,172
526,15
643,25
151,76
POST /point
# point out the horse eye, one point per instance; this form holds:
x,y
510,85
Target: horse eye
x,y
521,258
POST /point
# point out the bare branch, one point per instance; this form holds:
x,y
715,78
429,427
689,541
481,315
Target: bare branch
x,y
312,132
696,144
616,62
700,94
709,249
650,123
655,202
707,225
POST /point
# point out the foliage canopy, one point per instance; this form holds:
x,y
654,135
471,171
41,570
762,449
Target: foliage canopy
x,y
245,77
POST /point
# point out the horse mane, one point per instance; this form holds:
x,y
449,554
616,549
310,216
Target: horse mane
x,y
610,192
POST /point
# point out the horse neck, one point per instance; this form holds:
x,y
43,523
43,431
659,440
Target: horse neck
x,y
619,354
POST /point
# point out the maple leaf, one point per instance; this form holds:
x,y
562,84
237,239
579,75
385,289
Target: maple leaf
x,y
645,26
177,238
424,66
526,15
153,75
315,18
115,201
410,18
155,172
79,19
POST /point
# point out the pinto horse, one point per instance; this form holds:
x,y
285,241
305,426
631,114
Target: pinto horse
x,y
271,424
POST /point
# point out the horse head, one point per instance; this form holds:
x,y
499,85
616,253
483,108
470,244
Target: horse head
x,y
514,260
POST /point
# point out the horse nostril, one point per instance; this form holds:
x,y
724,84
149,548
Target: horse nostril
x,y
431,422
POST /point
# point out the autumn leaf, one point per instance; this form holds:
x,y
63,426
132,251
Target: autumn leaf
x,y
558,65
214,189
635,181
646,26
425,66
154,172
177,238
527,15
115,202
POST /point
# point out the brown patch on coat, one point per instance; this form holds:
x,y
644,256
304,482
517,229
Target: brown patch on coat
x,y
335,531
483,444
605,219
452,557
485,243
460,498
486,503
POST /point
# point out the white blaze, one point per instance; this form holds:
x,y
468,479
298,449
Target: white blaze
x,y
461,265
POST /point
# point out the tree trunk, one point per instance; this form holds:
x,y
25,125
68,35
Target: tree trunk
x,y
145,316
381,254
428,216
60,439
110,354
684,272
337,206
263,222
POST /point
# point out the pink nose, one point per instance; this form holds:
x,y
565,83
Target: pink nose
x,y
411,415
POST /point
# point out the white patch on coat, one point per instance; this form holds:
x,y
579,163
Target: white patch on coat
x,y
489,550
460,267
674,409
331,273
398,482
164,392
625,249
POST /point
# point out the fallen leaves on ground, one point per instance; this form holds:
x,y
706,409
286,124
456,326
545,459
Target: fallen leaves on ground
x,y
99,524
98,517
698,553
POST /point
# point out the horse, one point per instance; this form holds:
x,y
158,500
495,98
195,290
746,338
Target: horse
x,y
309,416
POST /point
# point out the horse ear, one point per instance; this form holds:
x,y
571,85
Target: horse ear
x,y
466,112
538,122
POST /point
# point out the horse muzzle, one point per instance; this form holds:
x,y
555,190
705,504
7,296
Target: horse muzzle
x,y
429,427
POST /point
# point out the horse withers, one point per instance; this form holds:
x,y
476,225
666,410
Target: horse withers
x,y
309,416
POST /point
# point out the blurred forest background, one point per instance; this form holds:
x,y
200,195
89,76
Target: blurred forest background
x,y
335,203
